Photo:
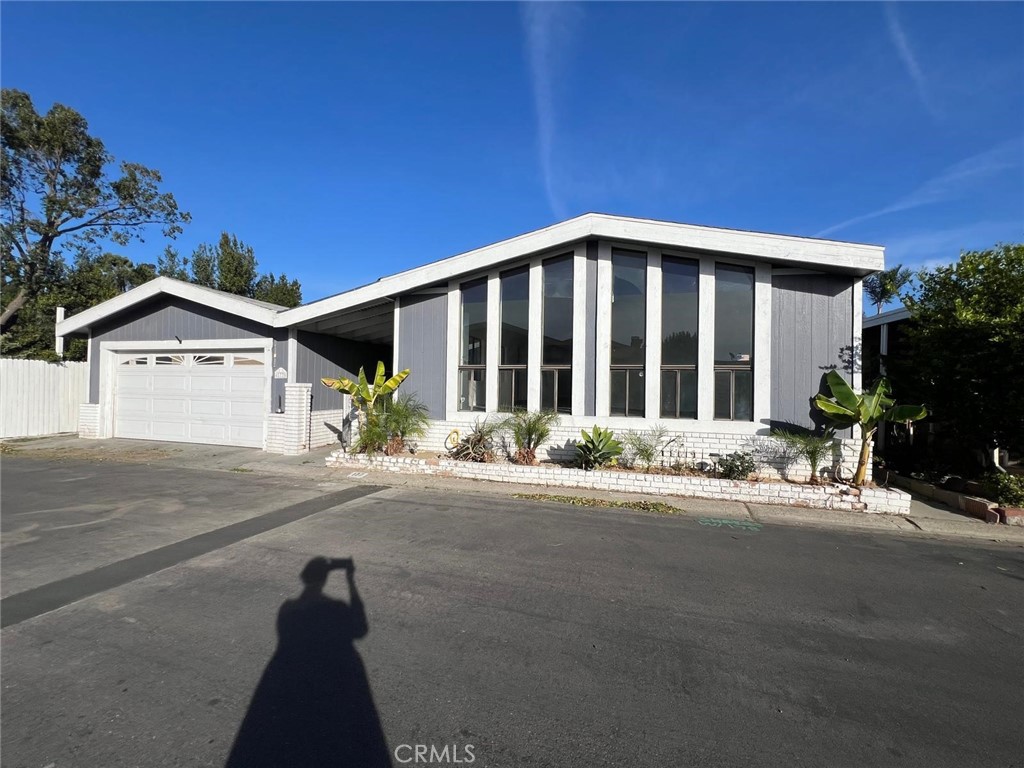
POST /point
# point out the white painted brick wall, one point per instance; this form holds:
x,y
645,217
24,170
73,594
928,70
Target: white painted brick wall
x,y
89,420
327,427
288,433
875,500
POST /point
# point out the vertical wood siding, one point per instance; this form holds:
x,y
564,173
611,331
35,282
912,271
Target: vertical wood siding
x,y
812,333
422,348
40,398
170,317
321,356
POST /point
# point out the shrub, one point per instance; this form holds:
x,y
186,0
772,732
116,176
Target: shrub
x,y
814,448
405,417
644,447
1007,490
736,466
373,435
528,430
598,448
478,445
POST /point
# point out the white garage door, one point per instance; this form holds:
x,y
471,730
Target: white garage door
x,y
192,397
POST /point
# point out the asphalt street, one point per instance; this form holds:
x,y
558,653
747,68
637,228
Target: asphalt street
x,y
518,633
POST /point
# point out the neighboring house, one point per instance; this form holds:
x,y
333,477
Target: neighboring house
x,y
718,334
884,338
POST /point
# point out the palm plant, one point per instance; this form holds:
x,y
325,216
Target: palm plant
x,y
644,447
529,431
404,417
882,287
807,445
365,395
847,408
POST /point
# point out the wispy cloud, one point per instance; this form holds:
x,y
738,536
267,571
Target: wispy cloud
x,y
953,182
906,53
548,27
935,247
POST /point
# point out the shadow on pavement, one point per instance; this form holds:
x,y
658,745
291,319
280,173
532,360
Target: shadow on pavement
x,y
313,706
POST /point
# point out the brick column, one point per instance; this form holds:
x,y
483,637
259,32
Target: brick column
x,y
288,432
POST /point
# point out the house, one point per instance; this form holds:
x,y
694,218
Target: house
x,y
884,337
717,334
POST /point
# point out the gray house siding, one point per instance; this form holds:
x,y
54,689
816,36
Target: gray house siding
x,y
590,344
812,332
422,348
169,317
319,356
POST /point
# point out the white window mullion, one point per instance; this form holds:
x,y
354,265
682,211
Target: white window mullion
x,y
579,329
493,340
453,351
706,341
652,337
535,336
602,378
762,343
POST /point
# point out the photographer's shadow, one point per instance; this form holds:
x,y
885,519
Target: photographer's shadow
x,y
313,706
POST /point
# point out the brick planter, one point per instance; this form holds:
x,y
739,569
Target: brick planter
x,y
1010,515
874,500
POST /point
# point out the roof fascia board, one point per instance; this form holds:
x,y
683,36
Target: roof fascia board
x,y
892,316
758,245
164,285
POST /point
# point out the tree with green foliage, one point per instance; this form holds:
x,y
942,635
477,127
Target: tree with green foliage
x,y
170,264
57,192
887,285
966,342
278,290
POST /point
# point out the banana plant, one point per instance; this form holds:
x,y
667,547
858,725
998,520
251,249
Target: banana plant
x,y
364,394
847,408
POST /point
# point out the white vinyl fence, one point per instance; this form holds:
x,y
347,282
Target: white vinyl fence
x,y
39,398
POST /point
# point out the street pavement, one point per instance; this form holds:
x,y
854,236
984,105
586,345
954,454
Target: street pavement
x,y
514,632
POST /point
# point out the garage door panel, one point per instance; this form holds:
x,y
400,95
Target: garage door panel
x,y
192,400
201,407
248,411
167,406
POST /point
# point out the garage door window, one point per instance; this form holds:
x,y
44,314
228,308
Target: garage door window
x,y
169,360
208,360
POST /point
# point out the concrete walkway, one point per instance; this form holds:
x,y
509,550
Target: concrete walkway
x,y
927,518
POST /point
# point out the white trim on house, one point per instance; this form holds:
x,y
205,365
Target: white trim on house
x,y
762,343
110,350
603,356
293,354
706,331
534,335
225,302
884,318
579,329
781,249
652,336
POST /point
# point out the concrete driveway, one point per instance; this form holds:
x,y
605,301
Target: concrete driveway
x,y
520,633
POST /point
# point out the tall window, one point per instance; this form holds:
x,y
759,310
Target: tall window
x,y
629,332
679,313
473,354
734,343
556,355
515,319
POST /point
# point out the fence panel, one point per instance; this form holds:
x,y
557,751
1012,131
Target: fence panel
x,y
39,398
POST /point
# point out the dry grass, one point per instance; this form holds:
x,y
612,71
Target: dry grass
x,y
586,501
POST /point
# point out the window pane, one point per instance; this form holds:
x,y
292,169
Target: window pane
x,y
515,316
679,311
618,393
629,307
474,323
734,314
471,390
743,410
505,390
723,394
668,394
636,392
557,311
547,390
688,394
565,391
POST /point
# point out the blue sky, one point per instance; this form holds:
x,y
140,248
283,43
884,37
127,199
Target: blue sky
x,y
348,141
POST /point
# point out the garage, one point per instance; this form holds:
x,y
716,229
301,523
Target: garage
x,y
218,397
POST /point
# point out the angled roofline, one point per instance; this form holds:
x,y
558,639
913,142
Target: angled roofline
x,y
884,318
859,258
239,306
